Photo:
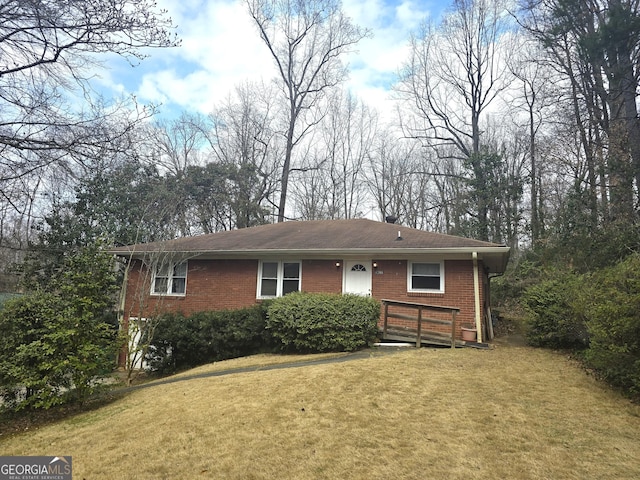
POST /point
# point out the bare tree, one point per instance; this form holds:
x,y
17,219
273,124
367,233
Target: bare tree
x,y
454,73
452,194
392,167
53,128
335,170
244,138
46,49
533,96
177,144
313,192
307,40
349,132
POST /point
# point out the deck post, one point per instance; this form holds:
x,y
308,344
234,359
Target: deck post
x,y
386,317
453,328
419,337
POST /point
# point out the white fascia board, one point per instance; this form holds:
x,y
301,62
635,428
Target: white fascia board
x,y
329,253
497,256
381,253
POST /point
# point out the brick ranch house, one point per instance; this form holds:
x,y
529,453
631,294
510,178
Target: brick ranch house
x,y
239,268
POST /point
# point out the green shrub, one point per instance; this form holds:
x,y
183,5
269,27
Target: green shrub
x,y
54,345
174,341
507,290
50,352
555,319
597,313
613,320
318,322
181,342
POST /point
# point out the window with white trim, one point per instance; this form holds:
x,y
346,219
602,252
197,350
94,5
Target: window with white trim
x,y
170,279
278,278
425,277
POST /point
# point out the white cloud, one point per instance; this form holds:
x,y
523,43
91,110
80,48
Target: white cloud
x,y
374,67
221,49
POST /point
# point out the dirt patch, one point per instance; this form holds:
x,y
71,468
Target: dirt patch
x,y
508,330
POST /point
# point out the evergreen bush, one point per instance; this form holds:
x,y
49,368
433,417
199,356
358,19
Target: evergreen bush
x,y
319,322
180,342
555,319
55,345
613,320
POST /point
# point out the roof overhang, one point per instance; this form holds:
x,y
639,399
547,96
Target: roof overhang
x,y
494,258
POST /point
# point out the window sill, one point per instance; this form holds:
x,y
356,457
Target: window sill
x,y
174,295
424,293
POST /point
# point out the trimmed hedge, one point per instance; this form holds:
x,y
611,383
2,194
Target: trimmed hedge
x,y
297,322
180,342
319,322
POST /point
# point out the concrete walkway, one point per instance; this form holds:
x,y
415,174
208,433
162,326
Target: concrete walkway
x,y
508,340
359,355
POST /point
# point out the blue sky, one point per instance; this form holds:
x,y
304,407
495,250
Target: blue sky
x,y
221,49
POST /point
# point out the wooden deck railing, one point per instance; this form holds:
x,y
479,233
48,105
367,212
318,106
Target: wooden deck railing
x,y
421,319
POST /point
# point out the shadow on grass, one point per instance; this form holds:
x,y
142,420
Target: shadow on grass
x,y
12,423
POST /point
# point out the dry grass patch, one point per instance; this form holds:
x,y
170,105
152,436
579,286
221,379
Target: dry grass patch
x,y
513,412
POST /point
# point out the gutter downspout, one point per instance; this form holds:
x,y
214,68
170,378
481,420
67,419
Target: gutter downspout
x,y
476,296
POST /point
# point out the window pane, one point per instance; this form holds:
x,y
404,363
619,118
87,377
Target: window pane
x,y
178,285
160,285
163,270
180,270
426,269
268,287
426,283
269,270
291,270
289,286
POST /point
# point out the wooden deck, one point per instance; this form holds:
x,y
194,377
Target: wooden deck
x,y
428,339
420,329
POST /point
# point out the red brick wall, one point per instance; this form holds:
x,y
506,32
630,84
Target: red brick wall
x,y
211,285
229,284
321,276
221,284
390,282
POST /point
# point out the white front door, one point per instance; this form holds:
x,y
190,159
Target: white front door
x,y
357,277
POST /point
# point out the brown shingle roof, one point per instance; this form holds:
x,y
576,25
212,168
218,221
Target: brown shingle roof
x,y
319,238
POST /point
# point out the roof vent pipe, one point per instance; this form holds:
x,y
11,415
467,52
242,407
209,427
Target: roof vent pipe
x,y
399,236
390,219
